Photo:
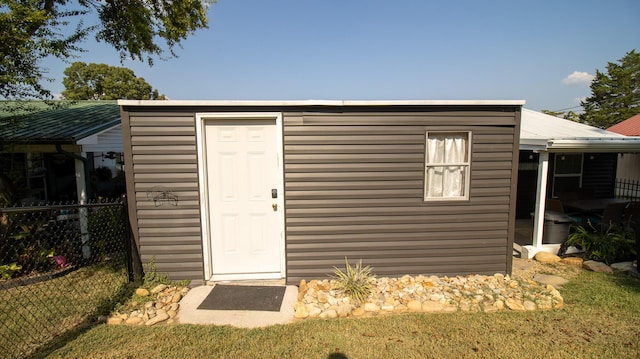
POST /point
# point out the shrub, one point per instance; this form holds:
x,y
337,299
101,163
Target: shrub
x,y
7,270
151,276
354,281
611,245
30,248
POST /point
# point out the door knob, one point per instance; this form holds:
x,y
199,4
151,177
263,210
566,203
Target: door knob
x,y
274,206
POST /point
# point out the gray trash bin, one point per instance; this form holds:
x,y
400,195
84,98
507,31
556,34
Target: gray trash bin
x,y
556,227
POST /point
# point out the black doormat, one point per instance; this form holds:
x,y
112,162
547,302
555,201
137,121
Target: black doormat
x,y
242,297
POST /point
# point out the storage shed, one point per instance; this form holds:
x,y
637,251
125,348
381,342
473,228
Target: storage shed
x,y
233,190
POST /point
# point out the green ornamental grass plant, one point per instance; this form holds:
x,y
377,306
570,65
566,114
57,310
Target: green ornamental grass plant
x,y
354,281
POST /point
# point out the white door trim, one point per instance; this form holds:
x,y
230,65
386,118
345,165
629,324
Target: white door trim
x,y
201,120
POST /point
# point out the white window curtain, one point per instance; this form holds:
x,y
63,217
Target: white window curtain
x,y
447,164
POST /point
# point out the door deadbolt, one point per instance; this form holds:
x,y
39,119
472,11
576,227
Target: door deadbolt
x,y
274,206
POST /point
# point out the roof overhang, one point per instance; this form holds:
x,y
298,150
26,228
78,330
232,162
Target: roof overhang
x,y
41,148
630,144
311,103
542,132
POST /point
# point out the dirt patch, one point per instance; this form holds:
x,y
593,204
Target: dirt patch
x,y
527,268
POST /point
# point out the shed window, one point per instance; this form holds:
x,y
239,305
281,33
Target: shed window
x,y
447,165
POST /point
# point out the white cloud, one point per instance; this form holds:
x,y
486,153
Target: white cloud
x,y
578,78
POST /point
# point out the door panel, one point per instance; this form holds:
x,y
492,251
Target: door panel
x,y
242,168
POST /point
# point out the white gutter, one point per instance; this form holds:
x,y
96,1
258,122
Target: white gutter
x,y
624,144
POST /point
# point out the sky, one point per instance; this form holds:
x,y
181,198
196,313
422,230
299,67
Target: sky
x,y
544,52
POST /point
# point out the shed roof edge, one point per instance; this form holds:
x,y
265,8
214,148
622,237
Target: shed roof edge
x,y
337,103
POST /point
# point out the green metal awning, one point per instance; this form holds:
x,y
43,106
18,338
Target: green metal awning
x,y
55,122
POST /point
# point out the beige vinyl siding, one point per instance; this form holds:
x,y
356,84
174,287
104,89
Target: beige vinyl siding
x,y
163,157
354,188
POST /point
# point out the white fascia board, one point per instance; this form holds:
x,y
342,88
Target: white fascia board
x,y
531,147
628,144
335,103
433,102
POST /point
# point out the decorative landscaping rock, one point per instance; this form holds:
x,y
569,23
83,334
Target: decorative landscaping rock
x,y
622,266
300,311
371,307
161,316
330,313
597,267
133,321
162,310
142,292
432,307
159,288
344,309
515,304
544,257
431,294
490,308
573,261
529,305
555,281
414,306
114,321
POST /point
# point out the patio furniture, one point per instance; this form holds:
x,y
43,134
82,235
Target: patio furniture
x,y
612,215
632,215
593,205
554,205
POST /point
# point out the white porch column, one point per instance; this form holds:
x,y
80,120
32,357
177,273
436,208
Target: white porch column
x,y
81,182
541,199
81,188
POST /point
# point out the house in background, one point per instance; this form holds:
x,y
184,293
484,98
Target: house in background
x,y
559,156
51,152
228,190
629,163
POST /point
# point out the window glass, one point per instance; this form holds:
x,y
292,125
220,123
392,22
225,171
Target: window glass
x,y
569,164
567,176
447,165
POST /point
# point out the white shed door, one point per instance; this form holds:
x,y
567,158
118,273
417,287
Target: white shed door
x,y
242,172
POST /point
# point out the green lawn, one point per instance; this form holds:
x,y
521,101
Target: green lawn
x,y
601,319
34,314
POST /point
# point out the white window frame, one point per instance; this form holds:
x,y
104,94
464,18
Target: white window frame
x,y
557,161
466,164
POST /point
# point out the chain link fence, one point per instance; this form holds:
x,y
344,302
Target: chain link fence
x,y
60,266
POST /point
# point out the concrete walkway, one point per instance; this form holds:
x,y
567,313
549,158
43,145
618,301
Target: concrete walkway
x,y
190,314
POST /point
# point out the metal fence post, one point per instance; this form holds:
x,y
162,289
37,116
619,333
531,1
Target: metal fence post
x,y
134,264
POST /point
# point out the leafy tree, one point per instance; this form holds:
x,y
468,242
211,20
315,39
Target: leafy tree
x,y
138,29
615,95
104,82
569,115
